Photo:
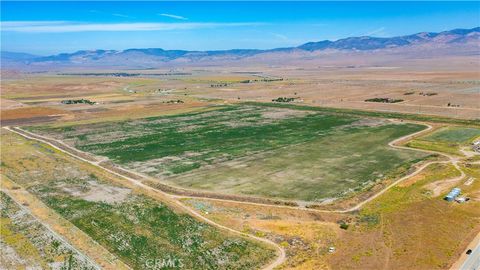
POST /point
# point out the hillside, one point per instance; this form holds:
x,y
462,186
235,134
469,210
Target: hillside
x,y
454,42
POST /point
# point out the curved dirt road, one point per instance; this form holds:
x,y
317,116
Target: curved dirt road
x,y
281,252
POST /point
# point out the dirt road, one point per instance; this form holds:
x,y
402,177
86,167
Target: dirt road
x,y
66,232
281,252
59,145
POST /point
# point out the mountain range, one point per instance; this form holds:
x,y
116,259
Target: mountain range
x,y
465,38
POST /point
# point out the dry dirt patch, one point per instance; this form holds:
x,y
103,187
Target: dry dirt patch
x,y
283,113
30,112
441,186
97,192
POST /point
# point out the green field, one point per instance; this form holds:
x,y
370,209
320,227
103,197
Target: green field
x,y
176,144
140,229
454,135
447,139
254,150
328,167
135,228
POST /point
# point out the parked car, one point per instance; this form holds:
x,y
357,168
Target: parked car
x,y
469,252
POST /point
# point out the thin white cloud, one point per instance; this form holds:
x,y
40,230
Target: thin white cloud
x,y
280,36
7,24
112,14
122,16
379,32
64,27
173,16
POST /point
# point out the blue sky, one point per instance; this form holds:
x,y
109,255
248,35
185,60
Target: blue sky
x,y
53,27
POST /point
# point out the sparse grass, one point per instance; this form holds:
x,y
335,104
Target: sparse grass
x,y
196,138
296,154
454,135
345,161
135,228
140,229
446,140
418,230
449,148
27,243
400,196
305,236
406,116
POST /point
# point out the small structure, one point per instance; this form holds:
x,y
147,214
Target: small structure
x,y
453,194
476,146
462,199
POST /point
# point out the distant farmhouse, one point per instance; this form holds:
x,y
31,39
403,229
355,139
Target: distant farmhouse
x,y
453,194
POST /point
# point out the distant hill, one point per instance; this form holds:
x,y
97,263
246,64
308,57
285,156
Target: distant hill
x,y
150,57
17,56
375,43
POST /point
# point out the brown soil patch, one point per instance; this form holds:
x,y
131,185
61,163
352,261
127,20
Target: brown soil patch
x,y
30,112
28,121
8,104
412,180
441,186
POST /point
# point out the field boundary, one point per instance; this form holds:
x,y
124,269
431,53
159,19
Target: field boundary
x,y
371,113
176,192
281,252
53,232
57,144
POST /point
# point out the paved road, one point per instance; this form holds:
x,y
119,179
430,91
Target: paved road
x,y
473,260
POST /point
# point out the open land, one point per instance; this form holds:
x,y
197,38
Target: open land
x,y
28,243
216,130
290,154
132,226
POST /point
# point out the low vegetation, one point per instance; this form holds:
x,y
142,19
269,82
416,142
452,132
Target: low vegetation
x,y
454,135
132,226
384,100
338,163
78,101
314,155
26,243
447,140
188,141
412,228
284,99
354,112
174,101
428,94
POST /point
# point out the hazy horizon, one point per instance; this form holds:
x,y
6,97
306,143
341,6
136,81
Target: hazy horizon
x,y
60,27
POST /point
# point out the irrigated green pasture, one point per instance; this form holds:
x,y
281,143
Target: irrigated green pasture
x,y
252,149
332,166
454,135
447,139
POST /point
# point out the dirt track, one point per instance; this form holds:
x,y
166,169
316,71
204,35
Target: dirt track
x,y
281,252
58,236
66,232
281,258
